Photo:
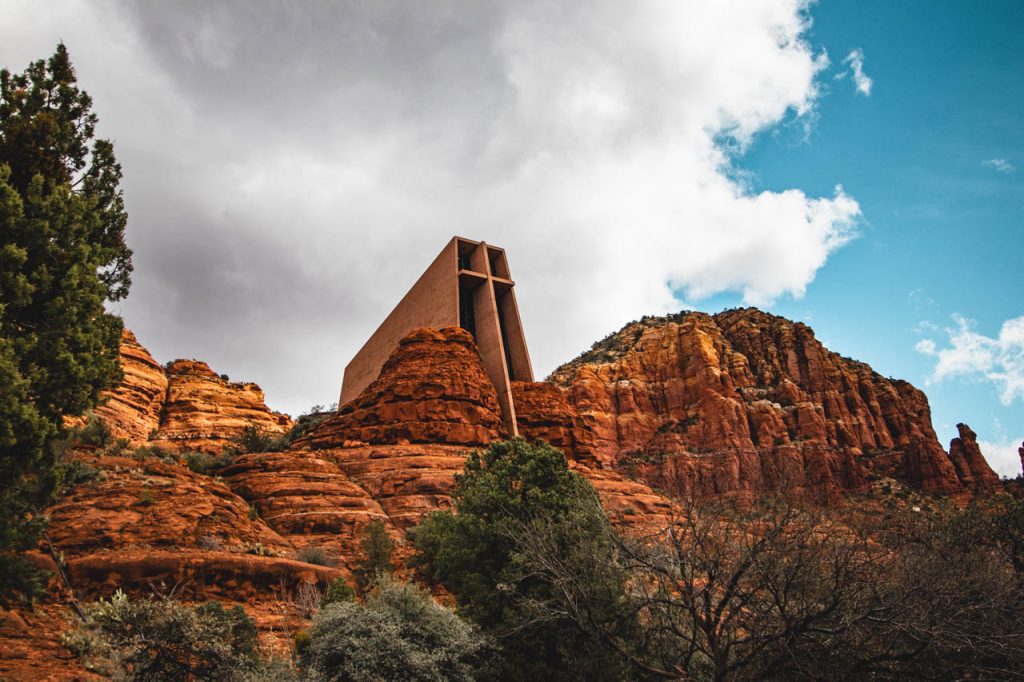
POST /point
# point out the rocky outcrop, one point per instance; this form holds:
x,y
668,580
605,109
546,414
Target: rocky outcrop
x,y
543,413
205,412
743,402
307,500
631,506
31,647
971,467
154,527
132,410
151,503
433,389
408,481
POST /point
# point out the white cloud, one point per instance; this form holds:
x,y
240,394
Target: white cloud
x,y
290,170
1001,165
861,81
1003,456
969,354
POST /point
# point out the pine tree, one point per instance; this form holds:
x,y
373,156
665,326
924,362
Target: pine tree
x,y
62,256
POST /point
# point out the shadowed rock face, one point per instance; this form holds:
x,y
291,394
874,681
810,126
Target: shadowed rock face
x,y
433,389
743,402
971,467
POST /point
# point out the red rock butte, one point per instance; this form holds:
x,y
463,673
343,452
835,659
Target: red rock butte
x,y
469,286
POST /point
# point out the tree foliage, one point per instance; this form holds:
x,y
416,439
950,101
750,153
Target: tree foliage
x,y
377,561
399,633
161,639
474,553
62,255
785,592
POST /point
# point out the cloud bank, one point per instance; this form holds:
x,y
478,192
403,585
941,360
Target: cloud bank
x,y
290,170
975,356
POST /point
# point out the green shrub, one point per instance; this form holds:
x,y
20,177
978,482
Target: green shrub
x,y
378,548
339,591
75,472
257,439
20,579
94,432
198,462
147,451
398,634
146,499
161,640
473,553
316,555
309,421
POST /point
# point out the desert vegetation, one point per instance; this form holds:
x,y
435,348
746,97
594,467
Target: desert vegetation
x,y
545,587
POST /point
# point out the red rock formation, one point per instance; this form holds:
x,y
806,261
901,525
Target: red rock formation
x,y
204,412
433,389
543,413
629,504
743,402
150,503
408,481
31,648
149,525
971,467
132,410
306,499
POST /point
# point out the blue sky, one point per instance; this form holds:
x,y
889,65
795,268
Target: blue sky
x,y
942,231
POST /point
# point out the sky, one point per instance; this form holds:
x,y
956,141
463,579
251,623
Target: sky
x,y
289,170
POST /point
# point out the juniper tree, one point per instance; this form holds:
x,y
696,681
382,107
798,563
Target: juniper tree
x,y
62,256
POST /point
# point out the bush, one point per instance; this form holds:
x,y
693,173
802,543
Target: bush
x,y
159,639
147,451
378,548
398,634
316,555
339,591
309,421
94,432
257,439
75,472
473,553
117,447
199,462
19,578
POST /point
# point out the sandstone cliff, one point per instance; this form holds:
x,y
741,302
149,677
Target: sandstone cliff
x,y
185,406
971,467
736,404
743,402
433,389
132,410
205,412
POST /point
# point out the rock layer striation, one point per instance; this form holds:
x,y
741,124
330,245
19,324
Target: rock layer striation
x,y
432,389
744,402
